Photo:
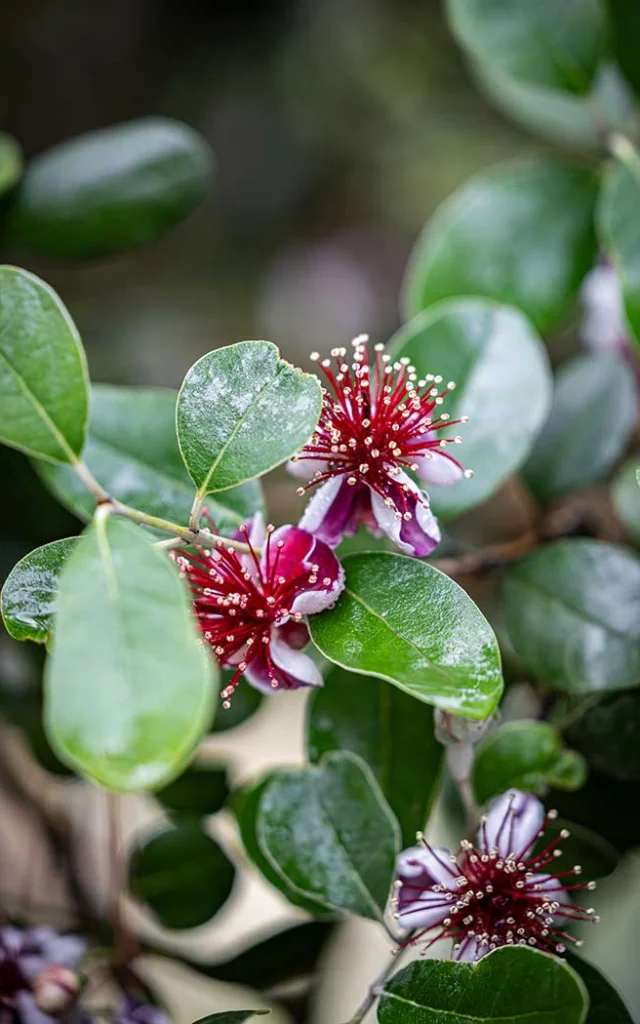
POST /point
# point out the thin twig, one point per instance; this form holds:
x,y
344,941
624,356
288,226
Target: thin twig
x,y
489,557
375,988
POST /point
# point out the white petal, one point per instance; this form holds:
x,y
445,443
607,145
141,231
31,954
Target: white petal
x,y
512,824
295,663
320,504
469,949
438,469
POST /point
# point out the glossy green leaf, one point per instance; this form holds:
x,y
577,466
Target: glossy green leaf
x,y
290,954
624,16
402,620
389,730
619,228
182,875
111,189
132,451
542,43
43,371
129,687
242,410
594,854
607,734
329,833
10,162
509,986
605,1005
502,374
568,119
525,755
571,611
625,497
231,1017
573,450
246,805
473,243
200,790
29,592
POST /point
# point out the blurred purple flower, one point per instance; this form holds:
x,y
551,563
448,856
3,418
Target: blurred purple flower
x,y
26,962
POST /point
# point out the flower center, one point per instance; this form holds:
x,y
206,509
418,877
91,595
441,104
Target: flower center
x,y
376,421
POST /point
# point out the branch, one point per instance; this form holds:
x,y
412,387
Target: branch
x,y
375,989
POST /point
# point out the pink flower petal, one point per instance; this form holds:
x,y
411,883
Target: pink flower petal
x,y
290,669
337,508
427,866
418,536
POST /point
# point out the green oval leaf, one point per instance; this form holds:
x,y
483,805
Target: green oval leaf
x,y
607,734
43,371
29,591
542,43
132,451
525,755
402,620
201,790
111,189
509,986
329,832
573,450
571,611
605,1005
10,162
389,730
618,226
625,497
242,410
182,875
503,377
625,32
128,685
473,243
246,805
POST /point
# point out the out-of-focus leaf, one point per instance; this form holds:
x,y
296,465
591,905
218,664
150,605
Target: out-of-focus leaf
x,y
607,734
626,497
200,790
111,189
132,451
182,875
43,370
624,16
602,806
402,620
525,755
10,162
572,611
573,450
329,833
28,595
595,855
512,984
128,686
389,730
473,243
618,226
242,410
543,43
502,373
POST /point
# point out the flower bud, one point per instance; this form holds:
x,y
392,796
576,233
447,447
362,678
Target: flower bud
x,y
55,989
452,729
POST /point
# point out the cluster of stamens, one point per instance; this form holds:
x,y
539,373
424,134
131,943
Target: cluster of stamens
x,y
496,900
377,420
237,600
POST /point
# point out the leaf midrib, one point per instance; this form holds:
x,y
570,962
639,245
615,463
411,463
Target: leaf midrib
x,y
551,1014
280,367
37,405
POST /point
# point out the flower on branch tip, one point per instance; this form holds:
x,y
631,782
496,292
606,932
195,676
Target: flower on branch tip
x,y
377,421
37,973
494,893
251,607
